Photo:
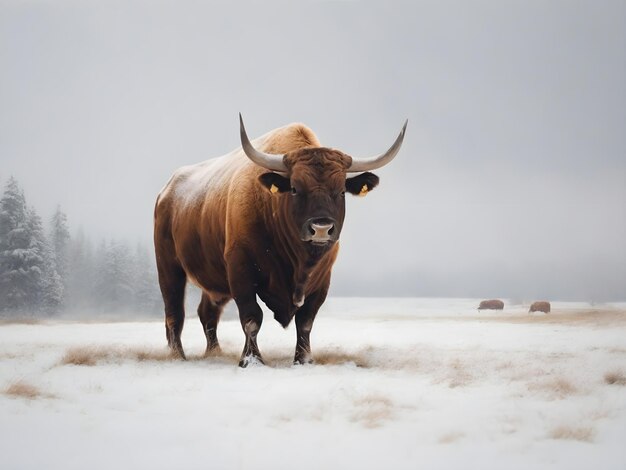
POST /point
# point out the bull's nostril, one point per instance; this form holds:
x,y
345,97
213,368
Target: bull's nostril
x,y
320,230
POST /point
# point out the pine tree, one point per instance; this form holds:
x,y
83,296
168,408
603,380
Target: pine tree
x,y
59,239
28,278
46,288
114,277
14,245
121,276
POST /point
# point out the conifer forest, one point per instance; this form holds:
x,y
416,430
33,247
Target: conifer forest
x,y
47,269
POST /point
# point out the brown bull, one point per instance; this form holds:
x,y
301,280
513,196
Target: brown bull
x,y
540,306
493,304
263,220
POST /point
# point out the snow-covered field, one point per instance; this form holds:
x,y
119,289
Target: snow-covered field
x,y
399,384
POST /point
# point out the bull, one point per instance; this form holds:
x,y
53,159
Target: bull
x,y
493,304
263,220
540,306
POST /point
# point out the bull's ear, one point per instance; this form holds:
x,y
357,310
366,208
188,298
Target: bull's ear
x,y
362,184
274,182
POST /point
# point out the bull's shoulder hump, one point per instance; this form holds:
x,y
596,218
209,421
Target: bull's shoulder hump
x,y
194,182
190,181
288,138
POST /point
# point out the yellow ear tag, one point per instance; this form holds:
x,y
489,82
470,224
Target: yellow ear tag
x,y
273,189
363,190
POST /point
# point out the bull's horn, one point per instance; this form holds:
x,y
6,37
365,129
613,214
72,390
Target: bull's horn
x,y
266,160
367,164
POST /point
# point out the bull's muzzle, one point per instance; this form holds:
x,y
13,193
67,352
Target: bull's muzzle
x,y
319,231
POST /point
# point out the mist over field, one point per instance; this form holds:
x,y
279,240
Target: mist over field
x,y
511,181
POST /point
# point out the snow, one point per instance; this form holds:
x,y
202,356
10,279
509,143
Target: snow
x,y
399,384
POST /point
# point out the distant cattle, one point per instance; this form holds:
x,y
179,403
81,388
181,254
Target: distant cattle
x,y
493,304
540,306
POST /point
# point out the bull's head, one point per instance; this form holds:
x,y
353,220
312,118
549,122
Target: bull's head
x,y
313,183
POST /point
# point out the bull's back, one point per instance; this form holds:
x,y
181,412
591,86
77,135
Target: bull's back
x,y
190,219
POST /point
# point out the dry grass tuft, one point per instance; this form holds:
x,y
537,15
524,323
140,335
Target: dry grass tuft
x,y
334,358
21,389
81,357
88,356
557,388
615,377
563,387
366,358
371,358
584,434
372,410
141,355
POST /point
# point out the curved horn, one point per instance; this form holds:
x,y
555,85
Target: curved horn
x,y
266,160
367,164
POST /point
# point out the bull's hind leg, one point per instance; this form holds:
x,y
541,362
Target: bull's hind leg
x,y
172,280
209,311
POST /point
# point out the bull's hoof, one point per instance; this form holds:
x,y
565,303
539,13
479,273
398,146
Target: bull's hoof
x,y
302,360
177,353
251,361
213,351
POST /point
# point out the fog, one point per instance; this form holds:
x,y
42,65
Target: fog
x,y
511,181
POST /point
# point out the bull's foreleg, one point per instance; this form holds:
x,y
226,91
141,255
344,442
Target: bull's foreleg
x,y
242,276
305,316
303,343
251,317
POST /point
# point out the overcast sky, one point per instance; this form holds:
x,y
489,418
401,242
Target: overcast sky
x,y
511,181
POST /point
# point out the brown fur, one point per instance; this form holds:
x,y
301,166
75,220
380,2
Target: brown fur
x,y
540,306
493,304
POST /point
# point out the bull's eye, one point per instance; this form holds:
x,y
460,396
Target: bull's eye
x,y
293,190
343,193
